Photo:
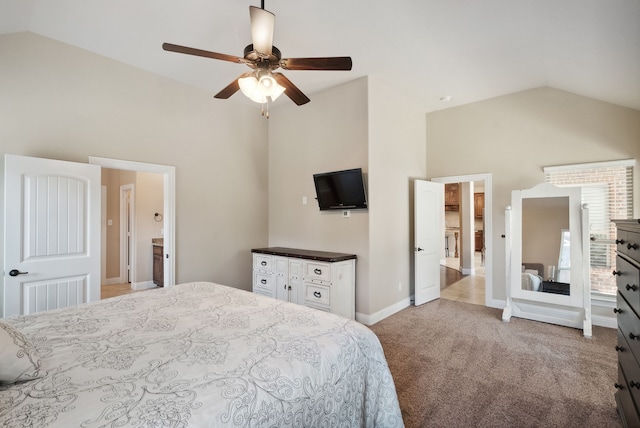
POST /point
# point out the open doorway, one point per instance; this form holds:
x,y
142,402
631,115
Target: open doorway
x,y
466,264
138,218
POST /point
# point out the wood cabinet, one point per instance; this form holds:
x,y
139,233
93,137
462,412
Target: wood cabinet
x,y
451,196
317,279
628,313
478,205
158,265
479,240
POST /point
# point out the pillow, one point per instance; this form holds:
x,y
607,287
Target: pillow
x,y
18,358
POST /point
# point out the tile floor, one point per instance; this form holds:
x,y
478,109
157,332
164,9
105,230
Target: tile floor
x,y
469,289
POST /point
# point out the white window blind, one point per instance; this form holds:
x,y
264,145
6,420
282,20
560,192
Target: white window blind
x,y
607,189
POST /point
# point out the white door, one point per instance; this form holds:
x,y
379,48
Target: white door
x,y
52,234
429,239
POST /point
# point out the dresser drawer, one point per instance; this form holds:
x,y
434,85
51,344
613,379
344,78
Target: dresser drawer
x,y
317,271
264,282
629,325
628,243
628,282
318,296
626,359
626,405
262,262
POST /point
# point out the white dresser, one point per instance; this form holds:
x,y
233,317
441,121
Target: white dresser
x,y
318,279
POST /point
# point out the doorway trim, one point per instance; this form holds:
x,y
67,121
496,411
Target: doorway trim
x,y
128,234
487,178
169,179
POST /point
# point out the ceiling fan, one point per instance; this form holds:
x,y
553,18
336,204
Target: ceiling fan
x,y
262,84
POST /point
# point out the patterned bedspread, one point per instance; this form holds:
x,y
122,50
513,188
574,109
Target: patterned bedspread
x,y
200,355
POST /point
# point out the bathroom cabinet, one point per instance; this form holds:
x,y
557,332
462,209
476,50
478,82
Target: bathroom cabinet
x,y
158,266
627,275
318,279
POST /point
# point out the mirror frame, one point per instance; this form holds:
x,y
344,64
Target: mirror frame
x,y
573,310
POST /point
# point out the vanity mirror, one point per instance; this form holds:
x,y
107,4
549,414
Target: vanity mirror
x,y
547,257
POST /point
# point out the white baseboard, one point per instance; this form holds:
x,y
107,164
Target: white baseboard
x,y
143,285
604,321
111,281
383,313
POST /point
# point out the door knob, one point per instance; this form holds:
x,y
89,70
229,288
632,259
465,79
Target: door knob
x,y
16,272
419,249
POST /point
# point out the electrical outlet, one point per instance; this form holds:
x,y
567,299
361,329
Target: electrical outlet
x,y
346,214
399,286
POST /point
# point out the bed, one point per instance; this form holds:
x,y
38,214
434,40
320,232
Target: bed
x,y
532,276
194,355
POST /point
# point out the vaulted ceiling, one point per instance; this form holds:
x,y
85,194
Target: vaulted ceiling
x,y
469,50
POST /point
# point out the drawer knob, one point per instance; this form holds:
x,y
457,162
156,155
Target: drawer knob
x,y
618,386
617,311
632,246
633,336
631,287
263,281
620,241
616,272
633,384
263,263
317,294
317,271
619,348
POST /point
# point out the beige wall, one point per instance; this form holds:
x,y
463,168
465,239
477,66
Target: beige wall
x,y
327,134
149,200
397,155
364,124
64,103
514,136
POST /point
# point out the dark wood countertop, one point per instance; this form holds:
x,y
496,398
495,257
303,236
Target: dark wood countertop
x,y
323,256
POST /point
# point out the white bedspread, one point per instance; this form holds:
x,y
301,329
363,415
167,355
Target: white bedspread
x,y
200,355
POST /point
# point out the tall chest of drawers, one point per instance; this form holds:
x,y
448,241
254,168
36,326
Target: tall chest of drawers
x,y
628,312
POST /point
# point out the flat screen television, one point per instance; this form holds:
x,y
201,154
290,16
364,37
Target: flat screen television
x,y
340,190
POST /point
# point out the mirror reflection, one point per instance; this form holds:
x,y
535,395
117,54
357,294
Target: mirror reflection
x,y
545,245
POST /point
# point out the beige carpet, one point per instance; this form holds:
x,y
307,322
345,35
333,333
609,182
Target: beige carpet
x,y
459,365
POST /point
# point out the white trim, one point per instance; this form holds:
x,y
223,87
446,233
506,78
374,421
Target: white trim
x,y
144,285
127,217
383,313
488,227
168,225
111,281
103,234
591,165
604,321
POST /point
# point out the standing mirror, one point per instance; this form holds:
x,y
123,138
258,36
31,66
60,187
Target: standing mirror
x,y
547,257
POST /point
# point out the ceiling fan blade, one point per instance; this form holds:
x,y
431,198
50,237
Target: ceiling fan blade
x,y
231,88
262,25
290,89
327,63
199,52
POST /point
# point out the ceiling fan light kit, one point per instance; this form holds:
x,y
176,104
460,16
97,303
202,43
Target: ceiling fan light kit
x,y
263,85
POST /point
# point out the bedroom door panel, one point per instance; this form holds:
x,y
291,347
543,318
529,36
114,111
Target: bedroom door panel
x,y
52,242
428,240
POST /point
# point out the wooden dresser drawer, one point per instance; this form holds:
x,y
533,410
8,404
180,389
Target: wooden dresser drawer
x,y
629,326
262,262
626,406
628,281
317,271
628,243
318,296
264,282
625,356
